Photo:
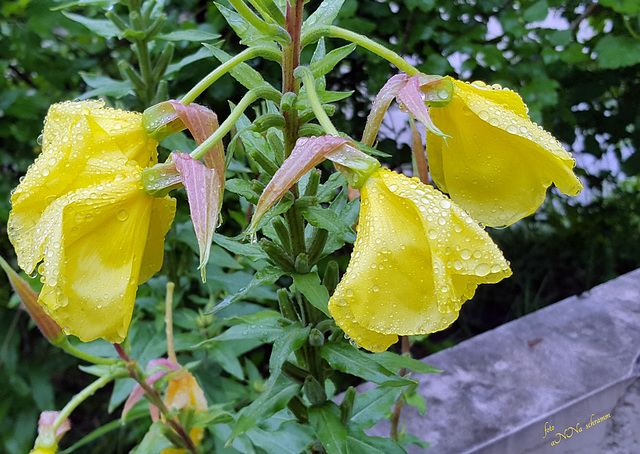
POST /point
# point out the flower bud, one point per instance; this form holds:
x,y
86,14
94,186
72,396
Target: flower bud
x,y
49,328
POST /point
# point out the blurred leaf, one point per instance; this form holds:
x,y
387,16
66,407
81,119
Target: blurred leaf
x,y
188,35
101,27
617,51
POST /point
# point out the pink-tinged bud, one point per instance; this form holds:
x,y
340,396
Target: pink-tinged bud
x,y
413,94
49,328
204,189
412,100
48,435
162,120
308,153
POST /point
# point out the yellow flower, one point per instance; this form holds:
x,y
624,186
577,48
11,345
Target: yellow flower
x,y
81,217
41,450
184,393
416,259
497,164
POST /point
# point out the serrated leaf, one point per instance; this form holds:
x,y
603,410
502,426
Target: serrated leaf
x,y
392,362
350,360
310,286
325,419
188,35
372,406
243,73
360,443
101,27
323,15
617,52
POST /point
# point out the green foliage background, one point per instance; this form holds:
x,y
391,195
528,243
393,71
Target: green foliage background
x,y
579,74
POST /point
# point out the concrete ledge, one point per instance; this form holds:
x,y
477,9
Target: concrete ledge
x,y
565,379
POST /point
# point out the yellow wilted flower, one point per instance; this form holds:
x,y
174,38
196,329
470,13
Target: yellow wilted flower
x,y
184,393
497,164
417,258
81,217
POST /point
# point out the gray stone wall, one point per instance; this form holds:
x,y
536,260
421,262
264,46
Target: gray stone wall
x,y
565,379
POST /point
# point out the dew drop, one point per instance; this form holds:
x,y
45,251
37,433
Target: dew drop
x,y
446,204
375,288
122,215
482,269
465,254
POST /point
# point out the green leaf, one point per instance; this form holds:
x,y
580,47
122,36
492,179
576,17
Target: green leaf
x,y
392,362
538,11
350,360
327,190
249,35
323,15
243,73
251,251
310,286
416,400
617,52
622,6
267,275
290,438
410,439
173,68
105,86
360,443
325,419
153,441
272,400
188,35
242,188
329,61
101,27
372,406
262,326
327,219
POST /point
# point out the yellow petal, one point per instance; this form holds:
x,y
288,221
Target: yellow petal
x,y
163,211
497,164
183,392
81,211
416,259
93,248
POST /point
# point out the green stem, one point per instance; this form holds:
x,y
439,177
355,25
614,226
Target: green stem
x,y
332,31
225,127
66,346
85,393
309,84
227,66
